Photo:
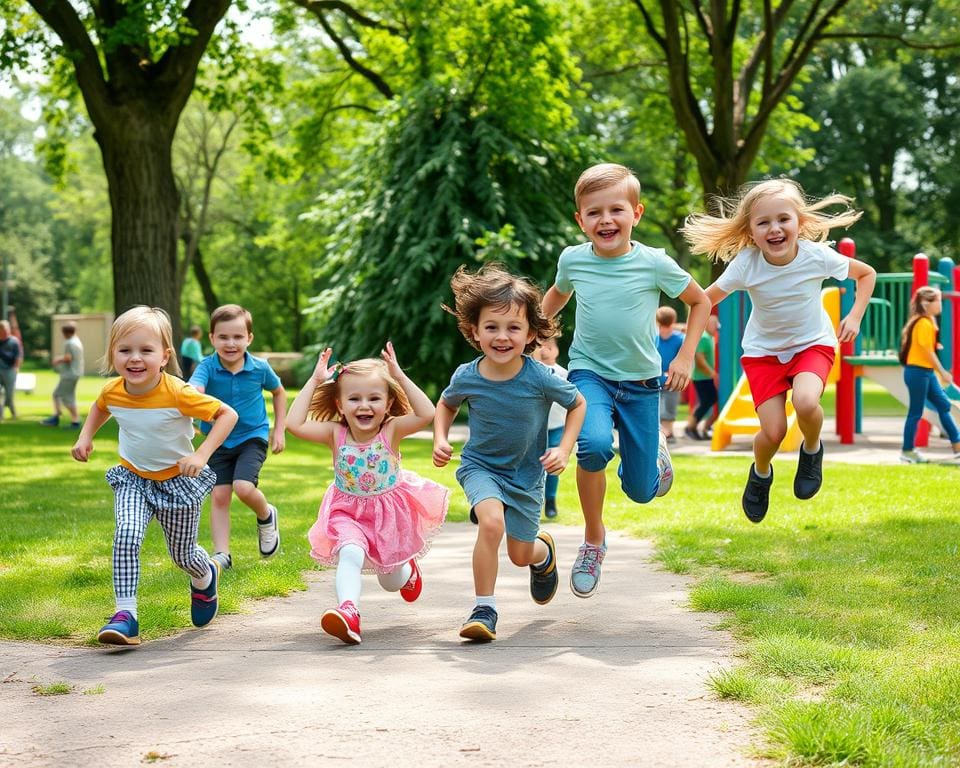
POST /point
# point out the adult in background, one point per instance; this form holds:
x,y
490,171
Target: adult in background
x,y
70,367
11,355
191,353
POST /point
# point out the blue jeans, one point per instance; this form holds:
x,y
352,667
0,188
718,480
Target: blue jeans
x,y
553,481
923,386
634,409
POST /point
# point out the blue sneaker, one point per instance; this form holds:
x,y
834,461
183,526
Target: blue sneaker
x,y
50,421
545,580
481,626
122,629
204,602
585,576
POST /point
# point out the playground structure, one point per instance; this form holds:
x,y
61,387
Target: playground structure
x,y
872,354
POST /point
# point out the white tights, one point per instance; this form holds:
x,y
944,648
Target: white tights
x,y
350,567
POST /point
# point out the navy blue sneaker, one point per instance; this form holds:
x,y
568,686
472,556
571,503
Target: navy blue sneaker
x,y
481,626
122,629
204,602
544,580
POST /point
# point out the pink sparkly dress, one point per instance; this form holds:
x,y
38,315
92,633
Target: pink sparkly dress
x,y
392,514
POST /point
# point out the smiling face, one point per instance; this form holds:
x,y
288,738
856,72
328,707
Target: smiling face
x,y
503,334
139,357
608,216
230,339
774,227
364,402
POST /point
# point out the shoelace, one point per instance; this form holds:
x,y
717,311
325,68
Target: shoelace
x,y
587,561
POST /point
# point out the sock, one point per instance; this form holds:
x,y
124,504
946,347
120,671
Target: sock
x,y
803,448
128,604
203,582
759,474
267,521
349,569
488,600
545,562
392,582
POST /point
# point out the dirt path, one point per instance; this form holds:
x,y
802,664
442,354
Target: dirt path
x,y
615,680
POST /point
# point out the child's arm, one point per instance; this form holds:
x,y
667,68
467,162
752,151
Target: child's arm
x,y
84,446
279,419
224,420
296,418
866,277
423,409
680,368
553,301
715,294
555,460
442,451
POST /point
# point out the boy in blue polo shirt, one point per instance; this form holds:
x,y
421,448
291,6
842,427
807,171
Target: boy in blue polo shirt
x,y
237,378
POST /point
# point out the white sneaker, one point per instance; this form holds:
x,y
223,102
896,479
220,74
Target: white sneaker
x,y
269,534
664,466
912,457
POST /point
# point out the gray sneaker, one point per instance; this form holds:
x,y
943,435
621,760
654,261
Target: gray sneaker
x,y
223,559
585,576
268,533
664,466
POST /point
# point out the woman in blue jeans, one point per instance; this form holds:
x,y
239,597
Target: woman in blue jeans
x,y
918,354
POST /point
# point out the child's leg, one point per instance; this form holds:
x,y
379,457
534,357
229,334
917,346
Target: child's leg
x,y
133,513
807,391
636,420
941,402
917,381
523,553
349,581
392,582
220,517
253,497
486,551
773,428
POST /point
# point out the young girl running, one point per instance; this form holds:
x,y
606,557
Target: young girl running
x,y
767,237
374,517
918,354
160,474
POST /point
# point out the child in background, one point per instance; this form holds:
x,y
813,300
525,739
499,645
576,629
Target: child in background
x,y
918,355
613,359
768,239
704,372
508,396
160,474
237,378
547,353
191,354
669,341
375,516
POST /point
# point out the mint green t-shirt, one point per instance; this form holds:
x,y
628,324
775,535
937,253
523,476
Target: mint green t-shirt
x,y
617,300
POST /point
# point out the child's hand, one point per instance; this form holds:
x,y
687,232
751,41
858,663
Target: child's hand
x,y
678,374
321,373
442,452
848,330
82,449
279,441
191,466
555,460
390,358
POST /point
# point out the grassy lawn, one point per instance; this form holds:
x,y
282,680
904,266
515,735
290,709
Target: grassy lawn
x,y
845,607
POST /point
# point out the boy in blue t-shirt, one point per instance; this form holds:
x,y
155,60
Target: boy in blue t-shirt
x,y
669,341
235,377
613,357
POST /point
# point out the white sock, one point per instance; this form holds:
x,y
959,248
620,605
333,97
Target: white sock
x,y
127,604
204,582
810,453
349,570
488,600
392,582
758,474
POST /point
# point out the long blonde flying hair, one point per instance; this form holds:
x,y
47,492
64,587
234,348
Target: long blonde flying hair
x,y
724,235
323,405
153,318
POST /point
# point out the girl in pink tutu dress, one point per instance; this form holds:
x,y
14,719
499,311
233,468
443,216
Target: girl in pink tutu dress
x,y
375,517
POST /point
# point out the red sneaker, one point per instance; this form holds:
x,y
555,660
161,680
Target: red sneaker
x,y
414,586
342,622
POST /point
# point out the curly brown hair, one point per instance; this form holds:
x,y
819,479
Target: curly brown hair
x,y
493,286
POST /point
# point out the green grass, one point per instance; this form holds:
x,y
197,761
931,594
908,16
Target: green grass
x,y
845,608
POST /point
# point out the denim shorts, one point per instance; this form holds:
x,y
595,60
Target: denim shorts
x,y
521,506
633,409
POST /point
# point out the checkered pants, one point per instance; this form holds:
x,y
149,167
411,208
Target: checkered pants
x,y
175,503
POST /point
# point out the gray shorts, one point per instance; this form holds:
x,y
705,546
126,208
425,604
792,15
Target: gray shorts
x,y
66,390
668,404
521,506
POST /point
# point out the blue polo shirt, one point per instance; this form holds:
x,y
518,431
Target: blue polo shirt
x,y
242,391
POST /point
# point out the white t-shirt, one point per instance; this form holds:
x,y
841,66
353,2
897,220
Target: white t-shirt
x,y
788,315
558,414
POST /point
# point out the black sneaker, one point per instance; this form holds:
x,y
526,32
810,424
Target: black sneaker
x,y
544,580
809,475
756,496
550,508
481,626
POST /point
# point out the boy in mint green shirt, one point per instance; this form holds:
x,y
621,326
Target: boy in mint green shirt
x,y
613,356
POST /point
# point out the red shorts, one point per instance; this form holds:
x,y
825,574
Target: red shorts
x,y
769,377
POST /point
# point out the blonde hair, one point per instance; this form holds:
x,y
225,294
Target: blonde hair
x,y
493,286
323,405
152,318
723,236
605,175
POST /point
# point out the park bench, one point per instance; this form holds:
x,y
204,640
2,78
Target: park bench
x,y
26,382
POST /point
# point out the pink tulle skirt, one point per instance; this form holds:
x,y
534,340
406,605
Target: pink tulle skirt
x,y
391,527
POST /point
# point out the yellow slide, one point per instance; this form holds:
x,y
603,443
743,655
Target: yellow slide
x,y
738,416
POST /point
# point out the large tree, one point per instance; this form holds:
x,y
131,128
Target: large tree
x,y
135,66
